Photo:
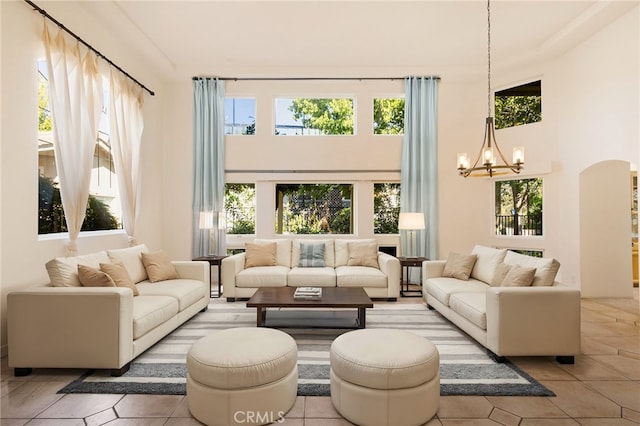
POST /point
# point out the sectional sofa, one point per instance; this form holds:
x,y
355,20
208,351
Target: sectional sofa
x,y
509,302
311,263
65,324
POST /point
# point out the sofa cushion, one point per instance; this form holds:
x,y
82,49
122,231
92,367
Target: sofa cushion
x,y
187,292
486,263
152,311
312,277
263,276
63,271
363,254
259,254
360,276
471,306
119,274
342,249
283,249
518,276
546,267
132,260
158,266
459,265
442,288
94,277
329,251
311,255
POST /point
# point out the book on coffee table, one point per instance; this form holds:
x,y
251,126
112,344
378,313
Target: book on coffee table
x,y
308,293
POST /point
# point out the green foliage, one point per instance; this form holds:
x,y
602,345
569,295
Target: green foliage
x,y
517,110
386,208
520,198
315,208
329,116
44,114
250,129
240,206
388,116
51,214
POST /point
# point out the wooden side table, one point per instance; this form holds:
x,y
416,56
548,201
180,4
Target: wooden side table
x,y
406,263
214,260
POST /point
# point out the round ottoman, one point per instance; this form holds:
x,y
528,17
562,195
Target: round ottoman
x,y
385,377
245,376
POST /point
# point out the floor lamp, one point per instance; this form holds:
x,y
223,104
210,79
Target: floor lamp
x,y
411,222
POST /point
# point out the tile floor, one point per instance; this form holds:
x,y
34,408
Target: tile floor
x,y
602,388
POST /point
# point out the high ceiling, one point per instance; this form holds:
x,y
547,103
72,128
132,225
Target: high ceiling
x,y
350,37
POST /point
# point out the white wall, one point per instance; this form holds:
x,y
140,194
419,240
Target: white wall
x,y
24,253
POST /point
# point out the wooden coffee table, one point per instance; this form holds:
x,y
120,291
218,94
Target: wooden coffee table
x,y
332,297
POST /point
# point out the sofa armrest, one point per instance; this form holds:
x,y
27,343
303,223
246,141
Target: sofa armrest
x,y
432,269
193,270
390,265
533,320
231,266
70,327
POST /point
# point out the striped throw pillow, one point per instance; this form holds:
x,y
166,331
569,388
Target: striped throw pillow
x,y
311,255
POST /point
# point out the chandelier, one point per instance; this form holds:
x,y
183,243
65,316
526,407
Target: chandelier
x,y
486,163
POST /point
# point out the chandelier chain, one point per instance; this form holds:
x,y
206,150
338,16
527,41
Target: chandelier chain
x,y
489,59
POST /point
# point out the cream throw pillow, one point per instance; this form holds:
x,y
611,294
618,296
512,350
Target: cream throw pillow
x,y
519,276
501,271
93,277
119,275
363,254
459,265
259,254
158,266
131,259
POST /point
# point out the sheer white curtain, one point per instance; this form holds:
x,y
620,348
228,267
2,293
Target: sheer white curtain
x,y
125,130
75,88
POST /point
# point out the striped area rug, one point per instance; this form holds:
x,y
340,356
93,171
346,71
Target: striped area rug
x,y
465,367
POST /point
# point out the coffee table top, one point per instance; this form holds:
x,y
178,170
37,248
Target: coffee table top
x,y
332,297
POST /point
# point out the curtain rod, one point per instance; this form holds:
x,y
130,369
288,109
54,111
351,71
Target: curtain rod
x,y
72,34
433,77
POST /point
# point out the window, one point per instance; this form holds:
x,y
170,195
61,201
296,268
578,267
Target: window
x,y
240,208
239,116
314,209
103,207
518,105
314,116
388,116
386,208
519,207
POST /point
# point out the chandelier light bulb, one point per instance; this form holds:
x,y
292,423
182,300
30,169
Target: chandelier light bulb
x,y
518,155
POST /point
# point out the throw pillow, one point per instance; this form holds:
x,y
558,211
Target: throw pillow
x,y
311,255
93,277
158,266
259,254
501,271
119,275
459,265
488,260
519,276
131,259
363,254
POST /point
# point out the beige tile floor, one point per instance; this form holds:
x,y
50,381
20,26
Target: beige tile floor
x,y
602,388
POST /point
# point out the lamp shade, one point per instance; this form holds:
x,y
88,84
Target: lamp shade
x,y
206,220
411,221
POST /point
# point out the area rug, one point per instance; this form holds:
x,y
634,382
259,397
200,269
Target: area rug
x,y
465,367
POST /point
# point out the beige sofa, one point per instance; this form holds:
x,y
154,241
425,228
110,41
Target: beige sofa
x,y
541,319
65,325
382,280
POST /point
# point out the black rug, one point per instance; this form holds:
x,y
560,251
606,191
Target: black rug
x,y
465,367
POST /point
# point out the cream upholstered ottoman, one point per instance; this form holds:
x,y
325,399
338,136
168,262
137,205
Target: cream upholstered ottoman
x,y
245,376
385,377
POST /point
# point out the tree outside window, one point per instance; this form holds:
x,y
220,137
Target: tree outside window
x,y
314,209
518,206
388,116
240,208
386,208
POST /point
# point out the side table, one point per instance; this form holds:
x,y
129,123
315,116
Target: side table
x,y
214,260
406,263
